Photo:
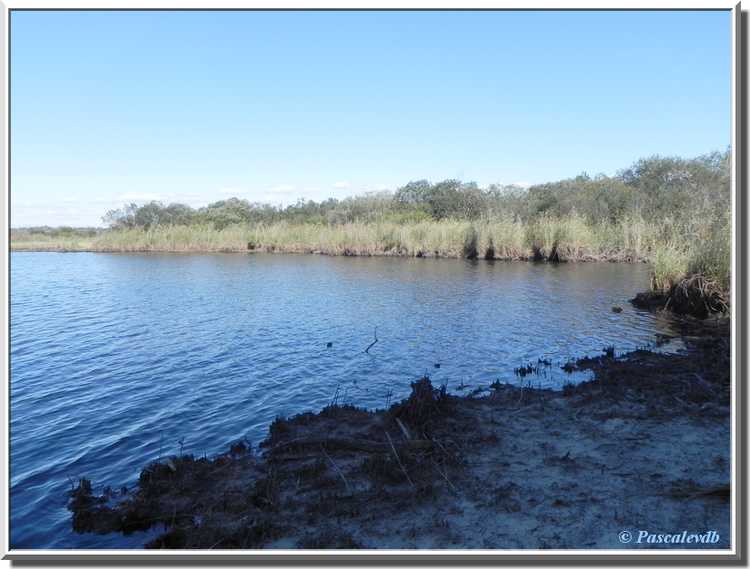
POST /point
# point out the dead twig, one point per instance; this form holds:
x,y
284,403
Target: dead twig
x,y
399,460
439,444
404,430
337,469
215,545
445,477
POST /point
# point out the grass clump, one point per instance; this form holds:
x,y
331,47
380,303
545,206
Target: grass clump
x,y
670,265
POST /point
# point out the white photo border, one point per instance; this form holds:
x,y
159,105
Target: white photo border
x,y
736,555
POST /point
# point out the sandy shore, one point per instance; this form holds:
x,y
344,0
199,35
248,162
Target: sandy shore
x,y
644,447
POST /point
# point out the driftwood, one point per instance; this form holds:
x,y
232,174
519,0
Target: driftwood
x,y
348,444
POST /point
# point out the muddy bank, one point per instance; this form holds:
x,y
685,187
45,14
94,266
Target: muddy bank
x,y
643,447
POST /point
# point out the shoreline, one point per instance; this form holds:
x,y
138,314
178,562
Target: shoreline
x,y
693,295
640,447
620,257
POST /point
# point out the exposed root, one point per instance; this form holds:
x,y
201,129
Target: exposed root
x,y
423,407
696,296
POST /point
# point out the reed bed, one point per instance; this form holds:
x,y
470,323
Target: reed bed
x,y
572,237
36,242
675,250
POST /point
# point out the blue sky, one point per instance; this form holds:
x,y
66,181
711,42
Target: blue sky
x,y
113,107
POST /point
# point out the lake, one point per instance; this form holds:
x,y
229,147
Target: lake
x,y
118,359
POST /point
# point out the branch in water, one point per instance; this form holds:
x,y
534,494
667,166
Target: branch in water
x,y
367,351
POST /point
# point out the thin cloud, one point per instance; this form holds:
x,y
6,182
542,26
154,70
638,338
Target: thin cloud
x,y
341,185
282,189
232,191
136,197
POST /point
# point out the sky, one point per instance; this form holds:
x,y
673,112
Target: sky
x,y
109,108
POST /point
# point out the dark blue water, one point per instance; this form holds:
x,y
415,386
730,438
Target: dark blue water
x,y
117,358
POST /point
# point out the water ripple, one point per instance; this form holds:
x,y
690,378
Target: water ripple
x,y
116,358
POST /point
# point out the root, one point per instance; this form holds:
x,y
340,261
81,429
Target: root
x,y
697,295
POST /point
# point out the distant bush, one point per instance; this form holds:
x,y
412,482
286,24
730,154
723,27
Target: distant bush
x,y
652,189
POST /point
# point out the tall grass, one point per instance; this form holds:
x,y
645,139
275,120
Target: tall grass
x,y
669,265
675,250
698,248
37,242
497,238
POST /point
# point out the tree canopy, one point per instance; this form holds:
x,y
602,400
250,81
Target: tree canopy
x,y
653,188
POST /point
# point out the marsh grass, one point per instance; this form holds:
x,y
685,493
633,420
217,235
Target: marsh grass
x,y
48,243
499,239
675,250
669,265
712,256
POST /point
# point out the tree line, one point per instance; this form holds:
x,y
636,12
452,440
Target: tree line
x,y
653,189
